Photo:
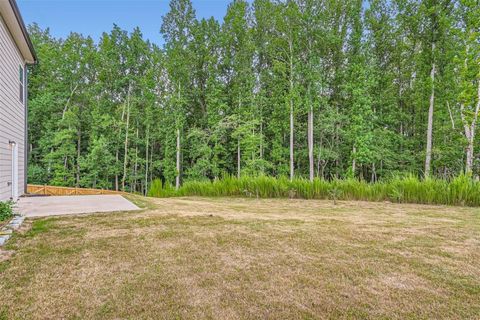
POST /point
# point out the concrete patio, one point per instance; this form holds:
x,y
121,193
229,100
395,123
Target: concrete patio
x,y
66,205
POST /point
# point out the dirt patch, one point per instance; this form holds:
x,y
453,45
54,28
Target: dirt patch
x,y
6,255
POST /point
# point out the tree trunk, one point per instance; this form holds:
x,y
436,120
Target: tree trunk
x,y
79,145
125,161
65,108
116,168
151,162
253,151
177,179
428,157
292,168
310,143
354,162
178,166
469,129
261,143
374,173
336,141
117,151
319,159
135,167
146,161
65,164
239,157
469,135
469,162
261,139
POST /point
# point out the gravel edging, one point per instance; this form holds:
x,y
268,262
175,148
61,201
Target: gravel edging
x,y
7,231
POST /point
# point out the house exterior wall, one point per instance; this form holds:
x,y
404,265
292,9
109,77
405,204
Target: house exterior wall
x,y
12,113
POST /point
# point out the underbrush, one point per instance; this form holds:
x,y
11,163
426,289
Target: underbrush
x,y
460,191
6,210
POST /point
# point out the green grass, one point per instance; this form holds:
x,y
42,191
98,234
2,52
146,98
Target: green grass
x,y
39,226
460,191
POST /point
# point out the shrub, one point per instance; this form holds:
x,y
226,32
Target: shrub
x,y
6,210
462,190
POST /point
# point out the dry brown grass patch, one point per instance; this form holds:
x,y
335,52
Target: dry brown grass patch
x,y
246,258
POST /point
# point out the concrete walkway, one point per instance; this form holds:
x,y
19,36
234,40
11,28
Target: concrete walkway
x,y
54,206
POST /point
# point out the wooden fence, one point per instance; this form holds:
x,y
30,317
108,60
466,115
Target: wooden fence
x,y
65,191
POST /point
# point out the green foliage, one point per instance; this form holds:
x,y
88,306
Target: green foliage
x,y
109,114
460,191
6,210
98,165
200,154
159,189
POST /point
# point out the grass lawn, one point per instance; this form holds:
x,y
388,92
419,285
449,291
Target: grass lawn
x,y
193,258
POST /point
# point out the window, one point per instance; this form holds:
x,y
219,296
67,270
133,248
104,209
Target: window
x,y
21,80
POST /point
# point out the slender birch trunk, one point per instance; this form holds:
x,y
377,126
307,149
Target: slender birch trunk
x,y
469,151
261,139
310,140
178,167
428,157
151,162
239,157
469,129
65,108
354,161
177,178
253,152
292,168
336,141
117,151
125,161
239,154
261,143
310,143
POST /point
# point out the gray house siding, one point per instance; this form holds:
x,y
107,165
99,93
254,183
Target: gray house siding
x,y
12,113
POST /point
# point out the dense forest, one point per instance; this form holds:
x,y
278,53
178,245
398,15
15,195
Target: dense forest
x,y
298,88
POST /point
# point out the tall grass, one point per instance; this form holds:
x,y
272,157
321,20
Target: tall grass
x,y
460,191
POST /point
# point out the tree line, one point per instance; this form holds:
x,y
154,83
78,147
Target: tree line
x,y
296,88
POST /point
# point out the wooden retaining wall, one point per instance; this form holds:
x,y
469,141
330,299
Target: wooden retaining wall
x,y
65,191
